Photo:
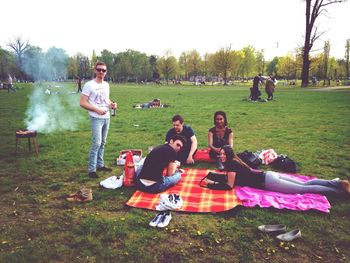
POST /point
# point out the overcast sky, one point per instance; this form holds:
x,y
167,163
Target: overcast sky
x,y
154,26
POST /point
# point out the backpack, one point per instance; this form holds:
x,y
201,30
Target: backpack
x,y
285,164
250,158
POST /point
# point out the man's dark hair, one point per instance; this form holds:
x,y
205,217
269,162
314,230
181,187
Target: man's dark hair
x,y
100,63
178,118
180,138
223,114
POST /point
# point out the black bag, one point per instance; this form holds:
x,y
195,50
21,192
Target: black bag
x,y
285,164
216,177
250,158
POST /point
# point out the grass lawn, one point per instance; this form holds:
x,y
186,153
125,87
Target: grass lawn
x,y
37,224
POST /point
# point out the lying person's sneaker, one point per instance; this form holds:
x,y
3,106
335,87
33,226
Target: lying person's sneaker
x,y
104,169
164,220
93,175
155,221
345,185
83,195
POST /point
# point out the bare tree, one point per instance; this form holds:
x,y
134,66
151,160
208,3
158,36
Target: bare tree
x,y
313,9
19,46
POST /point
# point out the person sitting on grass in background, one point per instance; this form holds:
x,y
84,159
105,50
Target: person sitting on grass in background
x,y
149,176
239,173
218,136
186,154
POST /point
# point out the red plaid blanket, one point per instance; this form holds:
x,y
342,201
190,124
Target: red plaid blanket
x,y
196,198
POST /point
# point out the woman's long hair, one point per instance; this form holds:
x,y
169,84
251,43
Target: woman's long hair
x,y
232,156
223,114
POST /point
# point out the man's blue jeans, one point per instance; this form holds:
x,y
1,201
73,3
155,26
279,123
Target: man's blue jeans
x,y
99,127
164,184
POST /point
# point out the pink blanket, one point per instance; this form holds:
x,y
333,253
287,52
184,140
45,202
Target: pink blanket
x,y
251,197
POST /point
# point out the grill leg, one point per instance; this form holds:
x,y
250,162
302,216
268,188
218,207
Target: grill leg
x,y
29,146
35,146
16,144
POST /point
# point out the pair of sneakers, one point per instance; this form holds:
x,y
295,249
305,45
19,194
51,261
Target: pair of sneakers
x,y
161,220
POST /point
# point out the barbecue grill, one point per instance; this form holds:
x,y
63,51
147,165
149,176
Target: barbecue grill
x,y
31,136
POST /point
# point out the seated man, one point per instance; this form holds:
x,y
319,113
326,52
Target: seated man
x,y
186,154
149,176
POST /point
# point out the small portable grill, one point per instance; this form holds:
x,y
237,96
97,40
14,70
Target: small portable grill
x,y
29,135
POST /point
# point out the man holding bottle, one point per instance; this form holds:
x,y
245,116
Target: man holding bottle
x,y
95,99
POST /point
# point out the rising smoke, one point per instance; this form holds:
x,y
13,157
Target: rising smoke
x,y
50,108
54,111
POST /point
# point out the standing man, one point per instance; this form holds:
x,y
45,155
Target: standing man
x,y
95,99
149,176
270,86
79,84
186,154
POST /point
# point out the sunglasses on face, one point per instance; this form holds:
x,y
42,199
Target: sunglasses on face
x,y
101,70
178,145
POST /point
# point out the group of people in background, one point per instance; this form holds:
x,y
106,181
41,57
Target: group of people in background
x,y
180,147
270,84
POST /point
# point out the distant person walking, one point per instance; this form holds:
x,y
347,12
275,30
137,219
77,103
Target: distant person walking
x,y
79,81
9,84
95,99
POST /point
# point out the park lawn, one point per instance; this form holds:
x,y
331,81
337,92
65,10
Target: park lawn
x,y
38,225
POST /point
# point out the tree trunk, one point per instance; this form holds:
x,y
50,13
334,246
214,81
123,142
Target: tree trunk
x,y
307,46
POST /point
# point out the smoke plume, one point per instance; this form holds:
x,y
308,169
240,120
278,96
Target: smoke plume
x,y
49,111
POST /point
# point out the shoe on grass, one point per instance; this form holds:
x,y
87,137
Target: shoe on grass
x,y
164,220
272,228
104,169
82,196
155,221
93,175
289,236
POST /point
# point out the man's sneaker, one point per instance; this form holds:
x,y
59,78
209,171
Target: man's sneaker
x,y
93,175
156,219
104,169
164,220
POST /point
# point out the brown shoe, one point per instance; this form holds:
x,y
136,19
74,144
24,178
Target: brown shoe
x,y
83,195
345,185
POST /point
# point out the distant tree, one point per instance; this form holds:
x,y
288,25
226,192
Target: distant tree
x,y
33,63
72,68
19,46
184,64
7,63
248,63
167,66
347,58
260,61
326,50
56,61
153,65
221,63
194,63
286,66
313,9
272,67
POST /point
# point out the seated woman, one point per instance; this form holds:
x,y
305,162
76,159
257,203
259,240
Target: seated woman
x,y
239,173
218,136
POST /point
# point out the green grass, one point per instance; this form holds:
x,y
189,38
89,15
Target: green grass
x,y
38,225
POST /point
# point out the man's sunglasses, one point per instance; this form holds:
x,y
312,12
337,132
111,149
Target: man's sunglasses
x,y
179,145
101,70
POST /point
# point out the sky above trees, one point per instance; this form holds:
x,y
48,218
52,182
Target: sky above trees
x,y
155,26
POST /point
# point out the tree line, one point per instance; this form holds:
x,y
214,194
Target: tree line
x,y
30,63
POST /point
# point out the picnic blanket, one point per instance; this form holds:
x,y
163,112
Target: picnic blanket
x,y
251,197
195,198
